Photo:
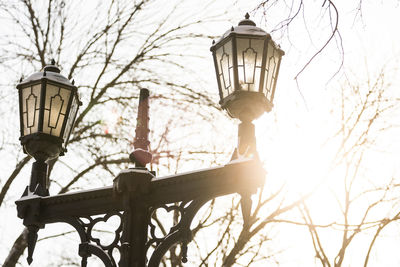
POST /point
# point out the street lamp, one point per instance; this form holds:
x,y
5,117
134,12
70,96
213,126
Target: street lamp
x,y
247,65
136,193
48,104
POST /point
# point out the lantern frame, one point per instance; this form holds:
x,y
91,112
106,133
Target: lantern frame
x,y
240,103
43,146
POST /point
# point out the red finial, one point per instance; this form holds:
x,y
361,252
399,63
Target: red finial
x,y
141,155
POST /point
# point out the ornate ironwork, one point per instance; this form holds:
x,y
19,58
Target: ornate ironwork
x,y
135,195
134,198
92,245
180,232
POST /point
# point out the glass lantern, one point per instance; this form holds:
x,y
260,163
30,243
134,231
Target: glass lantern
x,y
247,65
48,104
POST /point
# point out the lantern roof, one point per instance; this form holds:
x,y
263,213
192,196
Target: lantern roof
x,y
50,72
246,27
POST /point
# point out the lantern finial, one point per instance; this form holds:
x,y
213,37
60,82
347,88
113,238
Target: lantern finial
x,y
247,21
52,67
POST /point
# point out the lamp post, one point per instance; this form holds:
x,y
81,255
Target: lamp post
x,y
48,106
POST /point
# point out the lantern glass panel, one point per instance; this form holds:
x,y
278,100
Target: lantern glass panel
x,y
249,55
71,119
56,103
271,68
31,108
224,58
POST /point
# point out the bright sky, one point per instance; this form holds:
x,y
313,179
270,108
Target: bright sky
x,y
292,140
297,152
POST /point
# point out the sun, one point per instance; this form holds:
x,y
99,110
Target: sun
x,y
297,156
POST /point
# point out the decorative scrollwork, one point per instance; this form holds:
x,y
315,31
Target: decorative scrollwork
x,y
184,213
177,209
91,245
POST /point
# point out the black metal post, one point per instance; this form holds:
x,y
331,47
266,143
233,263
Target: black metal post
x,y
39,180
134,184
38,187
247,148
246,138
140,218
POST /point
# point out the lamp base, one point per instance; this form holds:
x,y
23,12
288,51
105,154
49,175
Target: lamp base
x,y
245,105
42,146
